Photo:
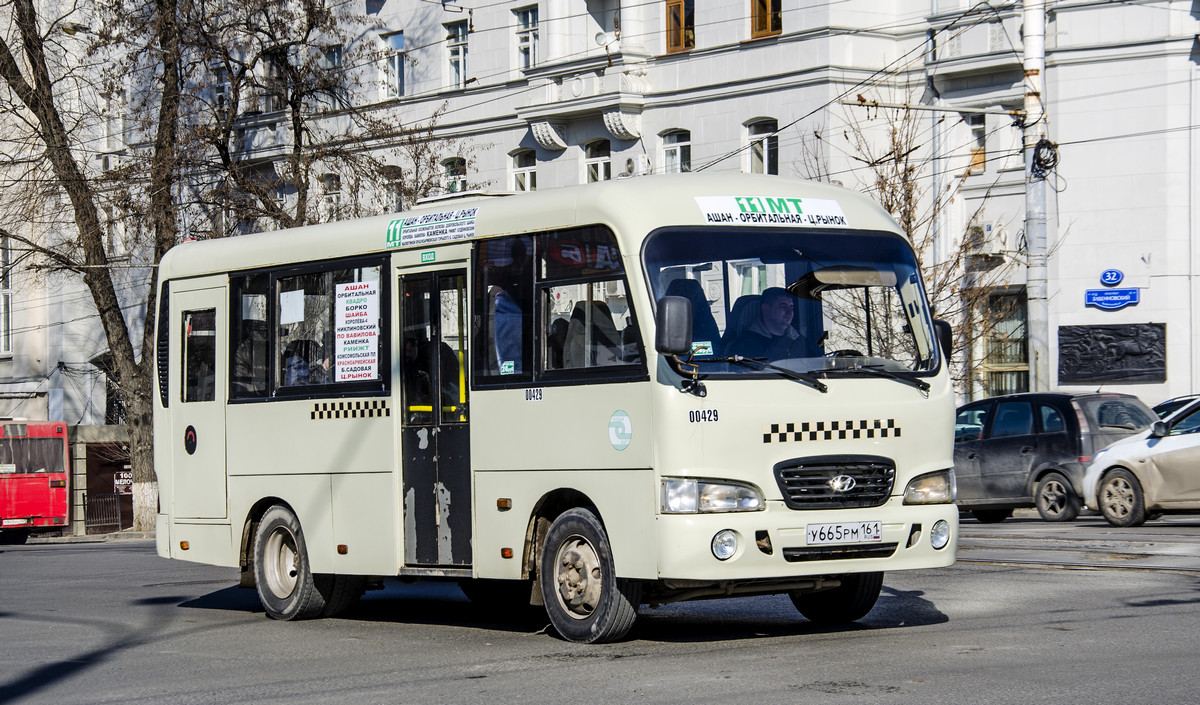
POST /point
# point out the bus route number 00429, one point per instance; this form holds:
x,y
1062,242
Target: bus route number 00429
x,y
702,416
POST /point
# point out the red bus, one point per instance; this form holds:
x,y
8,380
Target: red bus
x,y
34,482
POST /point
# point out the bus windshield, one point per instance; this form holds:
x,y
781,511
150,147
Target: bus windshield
x,y
812,301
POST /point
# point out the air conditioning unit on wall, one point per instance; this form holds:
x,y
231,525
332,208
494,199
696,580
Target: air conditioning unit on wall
x,y
987,238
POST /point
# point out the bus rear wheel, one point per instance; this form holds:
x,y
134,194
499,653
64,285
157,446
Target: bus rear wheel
x,y
846,603
585,600
286,585
13,537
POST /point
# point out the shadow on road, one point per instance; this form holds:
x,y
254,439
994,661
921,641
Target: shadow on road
x,y
443,604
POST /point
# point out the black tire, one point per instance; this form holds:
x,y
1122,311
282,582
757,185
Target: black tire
x,y
585,600
849,602
1056,499
1121,500
991,516
286,585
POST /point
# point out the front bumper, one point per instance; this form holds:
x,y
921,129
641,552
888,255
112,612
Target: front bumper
x,y
685,553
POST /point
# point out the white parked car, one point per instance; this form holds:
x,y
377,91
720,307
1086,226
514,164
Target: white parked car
x,y
1156,471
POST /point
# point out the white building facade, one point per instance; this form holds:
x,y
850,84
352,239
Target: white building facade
x,y
563,92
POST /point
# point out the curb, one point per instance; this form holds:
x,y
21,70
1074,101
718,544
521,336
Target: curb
x,y
94,538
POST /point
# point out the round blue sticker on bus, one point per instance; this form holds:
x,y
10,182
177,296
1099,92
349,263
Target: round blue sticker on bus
x,y
620,430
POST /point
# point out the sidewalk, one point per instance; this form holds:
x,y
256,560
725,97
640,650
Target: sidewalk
x,y
126,535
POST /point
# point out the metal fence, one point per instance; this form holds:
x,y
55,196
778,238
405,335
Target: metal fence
x,y
102,510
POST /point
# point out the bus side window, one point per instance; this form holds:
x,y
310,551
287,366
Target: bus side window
x,y
504,308
248,336
199,355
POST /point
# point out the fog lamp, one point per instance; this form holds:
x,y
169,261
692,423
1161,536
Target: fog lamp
x,y
939,535
725,544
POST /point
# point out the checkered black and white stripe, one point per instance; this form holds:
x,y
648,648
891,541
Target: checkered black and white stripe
x,y
830,430
377,408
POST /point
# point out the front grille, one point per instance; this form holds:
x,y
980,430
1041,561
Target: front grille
x,y
833,553
808,483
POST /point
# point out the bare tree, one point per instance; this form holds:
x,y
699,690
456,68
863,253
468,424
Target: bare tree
x,y
894,165
230,117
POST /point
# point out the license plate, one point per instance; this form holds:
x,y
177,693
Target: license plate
x,y
14,522
847,532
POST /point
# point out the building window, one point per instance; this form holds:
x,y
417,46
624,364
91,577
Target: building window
x,y
455,175
331,197
527,37
393,71
597,161
681,25
677,151
220,89
456,45
1006,345
525,171
765,18
977,124
329,95
6,264
764,147
275,88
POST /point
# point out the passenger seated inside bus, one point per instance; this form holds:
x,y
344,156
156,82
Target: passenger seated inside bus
x,y
763,327
304,362
592,338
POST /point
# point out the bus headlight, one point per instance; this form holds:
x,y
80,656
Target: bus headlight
x,y
686,496
931,488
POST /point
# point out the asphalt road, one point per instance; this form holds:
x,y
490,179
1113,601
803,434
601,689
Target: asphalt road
x,y
1032,613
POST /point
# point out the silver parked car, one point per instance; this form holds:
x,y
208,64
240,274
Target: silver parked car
x,y
1153,472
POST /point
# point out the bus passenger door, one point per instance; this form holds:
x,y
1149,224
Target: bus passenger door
x,y
197,387
435,434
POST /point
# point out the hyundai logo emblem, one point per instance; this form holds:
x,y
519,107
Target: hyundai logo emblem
x,y
842,483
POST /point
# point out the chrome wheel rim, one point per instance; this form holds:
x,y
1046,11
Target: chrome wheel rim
x,y
1116,498
579,576
1053,497
280,563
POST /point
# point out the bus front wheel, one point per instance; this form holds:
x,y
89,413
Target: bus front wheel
x,y
585,600
286,585
846,603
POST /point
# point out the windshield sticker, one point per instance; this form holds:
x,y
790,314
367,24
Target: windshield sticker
x,y
702,347
432,228
765,210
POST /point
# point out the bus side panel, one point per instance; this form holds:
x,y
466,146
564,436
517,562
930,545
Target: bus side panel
x,y
625,500
206,543
309,497
364,520
593,438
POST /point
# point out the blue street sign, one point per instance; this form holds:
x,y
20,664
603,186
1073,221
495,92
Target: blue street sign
x,y
1111,277
1111,299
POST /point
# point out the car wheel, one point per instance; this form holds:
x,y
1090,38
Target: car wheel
x,y
585,600
846,603
991,516
1120,499
1056,501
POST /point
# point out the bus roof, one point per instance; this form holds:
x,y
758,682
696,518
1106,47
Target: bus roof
x,y
632,207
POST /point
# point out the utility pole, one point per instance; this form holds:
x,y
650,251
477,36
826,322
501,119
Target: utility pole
x,y
1034,41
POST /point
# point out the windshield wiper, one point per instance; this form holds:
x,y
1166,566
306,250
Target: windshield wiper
x,y
757,363
881,371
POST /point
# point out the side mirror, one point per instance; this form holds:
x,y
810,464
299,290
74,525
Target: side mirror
x,y
1158,429
945,336
673,326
